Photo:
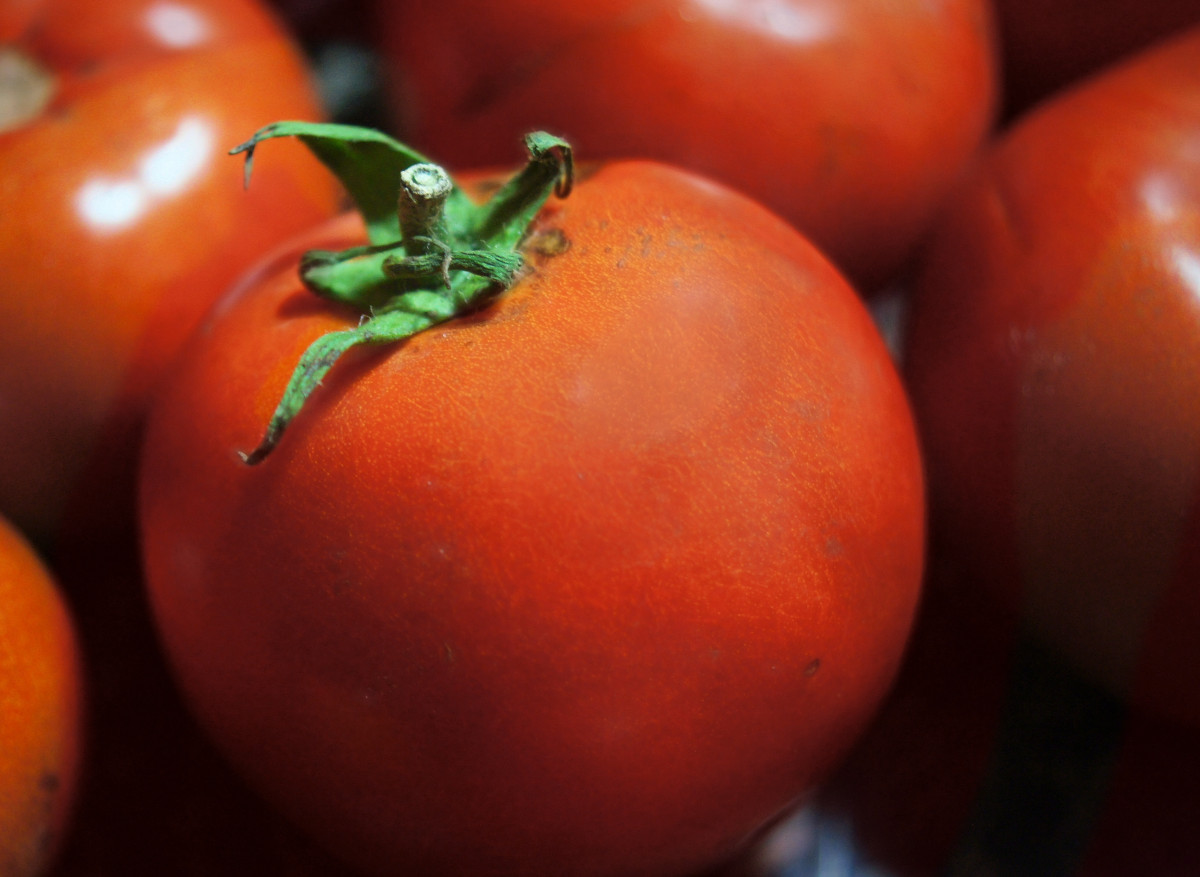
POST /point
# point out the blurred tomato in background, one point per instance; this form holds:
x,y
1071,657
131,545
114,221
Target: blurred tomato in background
x,y
850,118
122,218
1053,356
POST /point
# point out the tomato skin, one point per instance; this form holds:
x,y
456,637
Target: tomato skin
x,y
122,218
850,118
40,710
597,581
1052,360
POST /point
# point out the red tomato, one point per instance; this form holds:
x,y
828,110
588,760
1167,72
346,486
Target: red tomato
x,y
1054,361
850,118
1048,44
40,696
600,579
121,218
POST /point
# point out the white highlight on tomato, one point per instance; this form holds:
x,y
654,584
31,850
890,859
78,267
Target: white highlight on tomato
x,y
177,25
109,204
1187,263
781,18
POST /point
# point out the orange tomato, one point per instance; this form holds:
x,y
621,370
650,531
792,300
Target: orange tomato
x,y
40,700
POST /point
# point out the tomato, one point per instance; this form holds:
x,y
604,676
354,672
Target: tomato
x,y
40,710
850,118
121,219
1048,44
597,578
1053,359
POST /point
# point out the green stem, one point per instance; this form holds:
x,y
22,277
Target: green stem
x,y
434,258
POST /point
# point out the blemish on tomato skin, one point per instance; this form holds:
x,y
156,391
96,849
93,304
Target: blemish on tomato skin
x,y
813,666
547,243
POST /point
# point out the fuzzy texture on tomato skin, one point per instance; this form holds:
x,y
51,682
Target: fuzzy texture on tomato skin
x,y
598,580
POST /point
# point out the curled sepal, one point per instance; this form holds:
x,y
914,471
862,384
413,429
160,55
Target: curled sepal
x,y
433,254
368,163
551,167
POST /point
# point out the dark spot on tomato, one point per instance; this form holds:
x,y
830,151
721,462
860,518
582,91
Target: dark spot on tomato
x,y
813,666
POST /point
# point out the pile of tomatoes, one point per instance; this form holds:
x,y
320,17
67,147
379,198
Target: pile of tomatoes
x,y
795,460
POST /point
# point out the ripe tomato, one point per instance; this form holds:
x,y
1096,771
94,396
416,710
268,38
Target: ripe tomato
x,y
1048,44
40,695
598,579
1054,362
850,118
121,219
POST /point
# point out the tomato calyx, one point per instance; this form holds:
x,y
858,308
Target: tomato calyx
x,y
432,253
25,89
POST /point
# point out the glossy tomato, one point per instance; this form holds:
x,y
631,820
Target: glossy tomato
x,y
599,579
1054,362
121,219
1048,44
850,118
40,699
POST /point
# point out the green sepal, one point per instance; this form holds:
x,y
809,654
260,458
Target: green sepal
x,y
356,276
502,222
495,267
401,321
433,253
368,163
